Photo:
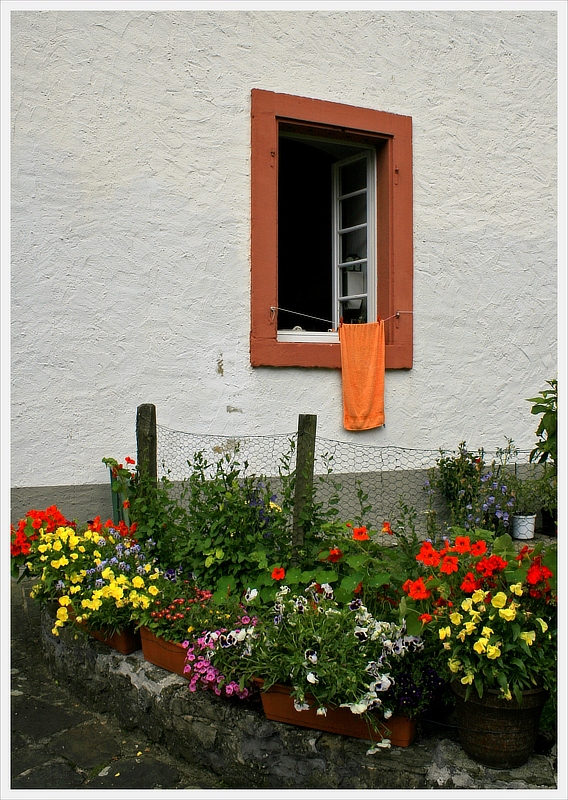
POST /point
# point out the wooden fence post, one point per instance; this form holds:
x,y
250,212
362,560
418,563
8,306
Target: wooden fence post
x,y
305,456
147,441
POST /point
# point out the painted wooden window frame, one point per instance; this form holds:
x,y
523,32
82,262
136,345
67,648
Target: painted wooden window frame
x,y
394,226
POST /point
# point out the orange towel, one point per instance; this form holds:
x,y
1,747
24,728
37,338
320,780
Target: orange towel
x,y
363,375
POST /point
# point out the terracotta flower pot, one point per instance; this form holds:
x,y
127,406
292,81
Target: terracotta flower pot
x,y
126,641
497,732
278,705
158,651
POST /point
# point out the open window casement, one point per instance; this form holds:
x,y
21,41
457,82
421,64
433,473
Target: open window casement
x,y
331,229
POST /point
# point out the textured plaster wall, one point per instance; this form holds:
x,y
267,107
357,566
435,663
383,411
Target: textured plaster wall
x,y
130,223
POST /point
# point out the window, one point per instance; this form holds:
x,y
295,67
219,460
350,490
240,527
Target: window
x,y
331,233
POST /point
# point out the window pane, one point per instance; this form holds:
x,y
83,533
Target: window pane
x,y
353,245
353,176
353,211
354,310
354,281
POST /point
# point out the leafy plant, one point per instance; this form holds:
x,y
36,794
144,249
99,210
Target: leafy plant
x,y
546,404
459,480
331,654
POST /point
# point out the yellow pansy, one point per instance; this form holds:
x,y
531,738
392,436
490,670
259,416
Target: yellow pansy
x,y
475,616
74,589
478,596
469,627
153,590
147,567
57,545
455,617
454,664
467,604
62,614
487,631
468,678
461,635
42,548
137,582
508,614
516,588
542,624
528,637
481,645
507,693
74,556
64,600
107,574
499,600
493,651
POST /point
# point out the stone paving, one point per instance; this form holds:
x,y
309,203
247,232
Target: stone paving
x,y
59,742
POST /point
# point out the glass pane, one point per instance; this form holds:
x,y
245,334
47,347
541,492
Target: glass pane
x,y
354,310
353,245
354,281
353,176
353,211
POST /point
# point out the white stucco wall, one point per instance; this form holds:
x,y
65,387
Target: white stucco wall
x,y
130,223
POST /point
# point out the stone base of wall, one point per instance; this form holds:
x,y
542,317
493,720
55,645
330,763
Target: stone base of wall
x,y
235,740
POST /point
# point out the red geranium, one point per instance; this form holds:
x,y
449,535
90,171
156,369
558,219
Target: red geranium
x,y
278,573
360,534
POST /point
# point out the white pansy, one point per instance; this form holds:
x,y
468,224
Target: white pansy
x,y
311,677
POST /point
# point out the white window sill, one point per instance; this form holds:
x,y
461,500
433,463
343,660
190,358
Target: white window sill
x,y
323,337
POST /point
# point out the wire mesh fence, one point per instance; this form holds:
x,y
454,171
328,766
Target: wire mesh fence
x,y
388,477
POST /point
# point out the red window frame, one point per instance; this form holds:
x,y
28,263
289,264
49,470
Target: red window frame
x,y
394,225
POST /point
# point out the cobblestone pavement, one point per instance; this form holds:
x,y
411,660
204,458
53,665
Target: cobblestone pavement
x,y
59,743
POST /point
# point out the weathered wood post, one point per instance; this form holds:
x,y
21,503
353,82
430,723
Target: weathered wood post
x,y
147,441
305,456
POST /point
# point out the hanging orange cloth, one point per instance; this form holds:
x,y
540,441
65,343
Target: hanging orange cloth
x,y
363,375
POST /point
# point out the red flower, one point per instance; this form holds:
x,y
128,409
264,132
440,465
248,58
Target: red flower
x,y
387,528
129,460
278,573
126,504
488,566
360,534
462,544
359,588
469,584
449,564
425,618
428,555
335,554
478,548
416,589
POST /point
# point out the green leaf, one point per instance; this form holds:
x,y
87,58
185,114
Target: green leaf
x,y
380,579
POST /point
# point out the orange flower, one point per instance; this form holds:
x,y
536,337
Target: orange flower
x,y
387,528
462,544
428,555
278,573
129,460
360,534
335,554
425,618
416,589
478,548
449,564
126,504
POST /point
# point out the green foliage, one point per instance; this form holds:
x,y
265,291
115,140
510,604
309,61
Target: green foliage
x,y
545,451
459,479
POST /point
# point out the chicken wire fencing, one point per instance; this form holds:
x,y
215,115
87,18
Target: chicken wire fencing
x,y
390,477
